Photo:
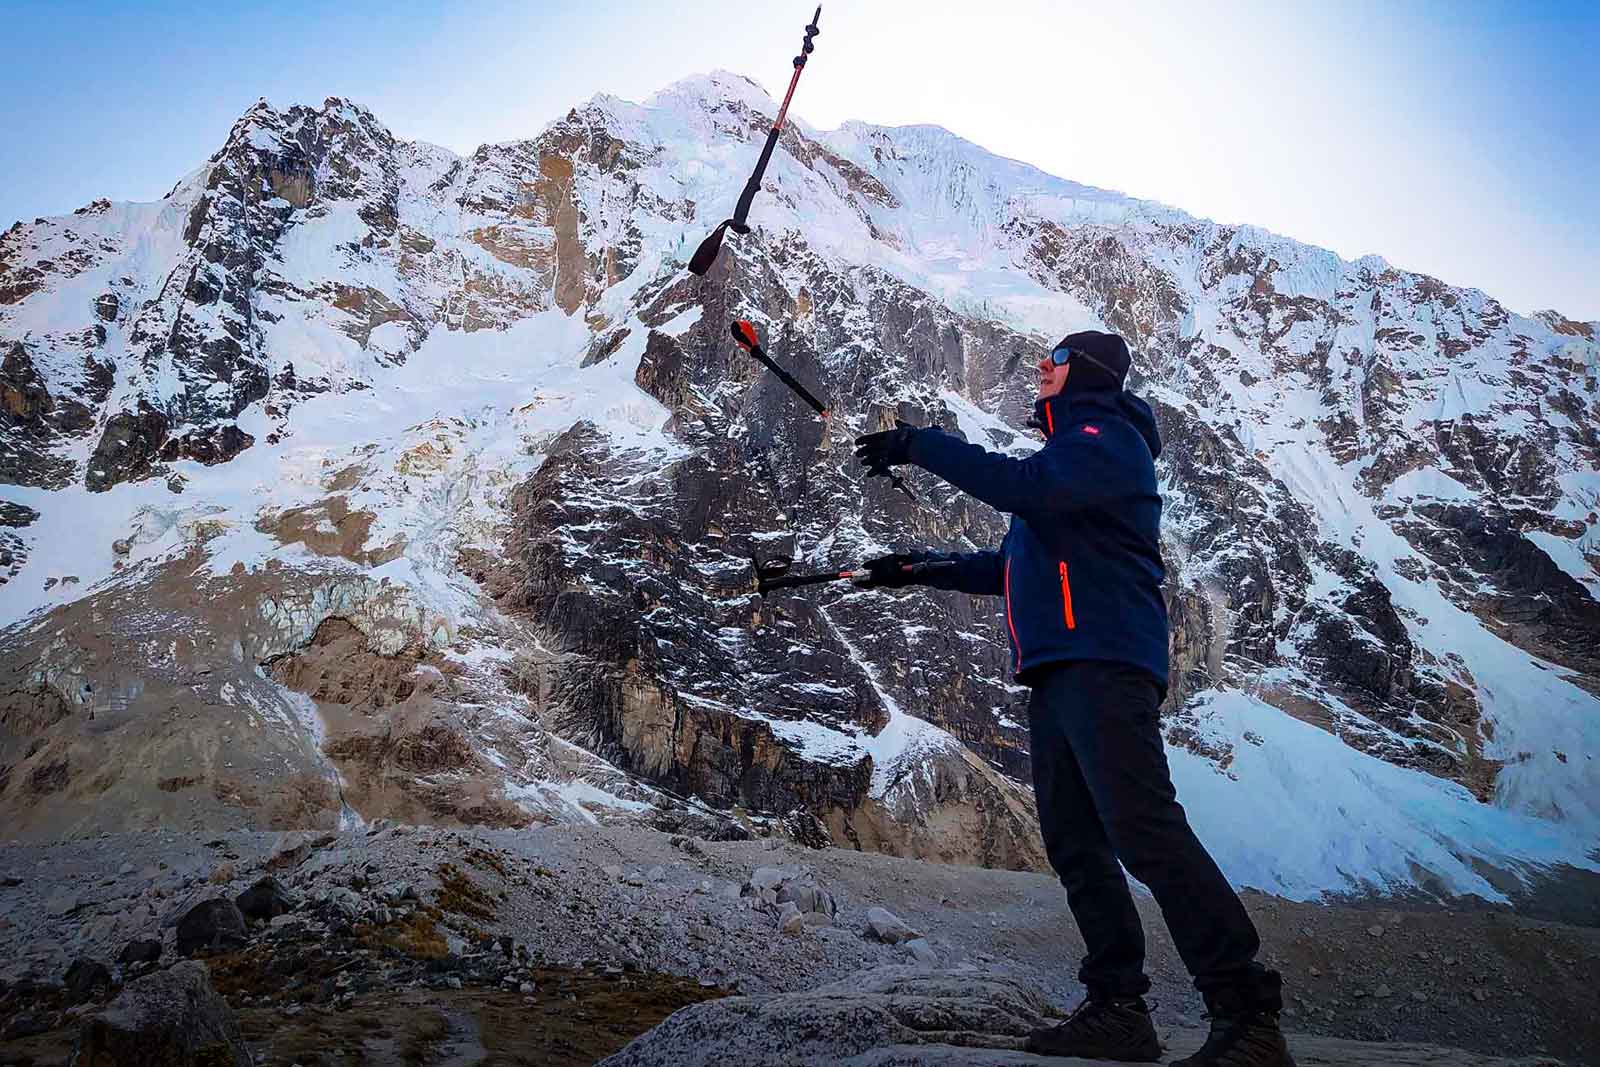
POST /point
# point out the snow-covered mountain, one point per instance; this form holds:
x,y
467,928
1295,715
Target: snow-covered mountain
x,y
355,478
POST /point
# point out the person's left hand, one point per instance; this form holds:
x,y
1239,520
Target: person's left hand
x,y
886,448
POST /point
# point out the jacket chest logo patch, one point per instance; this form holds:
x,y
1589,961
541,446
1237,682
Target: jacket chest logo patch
x,y
1093,431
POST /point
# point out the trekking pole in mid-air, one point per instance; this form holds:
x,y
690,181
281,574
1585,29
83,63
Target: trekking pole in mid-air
x,y
706,254
774,573
745,334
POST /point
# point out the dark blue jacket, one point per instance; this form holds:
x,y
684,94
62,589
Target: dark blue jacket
x,y
1080,567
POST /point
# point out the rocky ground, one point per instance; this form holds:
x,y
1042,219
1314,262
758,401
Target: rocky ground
x,y
560,944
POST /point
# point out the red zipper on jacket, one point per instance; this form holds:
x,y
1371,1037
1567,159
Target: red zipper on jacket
x,y
1016,645
1066,598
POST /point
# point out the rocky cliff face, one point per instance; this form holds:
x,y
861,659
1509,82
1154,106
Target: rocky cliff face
x,y
449,462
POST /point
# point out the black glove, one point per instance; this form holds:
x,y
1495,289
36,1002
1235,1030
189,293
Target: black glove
x,y
886,448
889,572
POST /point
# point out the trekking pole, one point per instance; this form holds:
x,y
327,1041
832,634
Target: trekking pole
x,y
706,254
744,333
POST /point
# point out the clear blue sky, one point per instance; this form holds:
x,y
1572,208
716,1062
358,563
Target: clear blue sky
x,y
1460,139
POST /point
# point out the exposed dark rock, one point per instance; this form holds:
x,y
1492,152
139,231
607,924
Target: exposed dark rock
x,y
87,979
211,446
264,900
210,926
127,450
16,515
136,952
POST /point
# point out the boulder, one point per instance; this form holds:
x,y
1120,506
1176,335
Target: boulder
x,y
888,927
808,898
264,901
887,1008
292,849
87,980
211,926
135,952
911,1017
173,1017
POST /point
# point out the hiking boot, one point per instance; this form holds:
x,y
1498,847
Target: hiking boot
x,y
1251,1039
1102,1028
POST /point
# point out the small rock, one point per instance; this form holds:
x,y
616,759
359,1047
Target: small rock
x,y
1375,931
1382,991
816,918
1479,995
922,952
790,921
1315,972
656,874
527,989
889,927
704,888
453,982
134,952
767,878
211,926
126,869
222,875
1418,995
400,891
612,871
87,980
10,881
264,901
344,903
122,546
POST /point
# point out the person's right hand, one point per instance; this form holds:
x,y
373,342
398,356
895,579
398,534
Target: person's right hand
x,y
889,572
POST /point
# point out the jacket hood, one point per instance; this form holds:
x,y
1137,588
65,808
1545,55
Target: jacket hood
x,y
1069,407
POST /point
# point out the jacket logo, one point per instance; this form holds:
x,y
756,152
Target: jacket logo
x,y
1095,430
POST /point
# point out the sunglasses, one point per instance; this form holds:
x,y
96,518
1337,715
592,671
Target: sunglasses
x,y
1064,355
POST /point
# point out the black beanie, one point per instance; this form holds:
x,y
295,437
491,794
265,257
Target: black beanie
x,y
1106,366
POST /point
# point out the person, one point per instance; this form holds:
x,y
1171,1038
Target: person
x,y
1081,573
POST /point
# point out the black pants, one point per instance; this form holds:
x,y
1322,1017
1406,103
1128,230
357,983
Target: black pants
x,y
1104,794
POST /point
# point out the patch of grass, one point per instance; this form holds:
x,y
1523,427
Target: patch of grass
x,y
416,936
463,896
486,861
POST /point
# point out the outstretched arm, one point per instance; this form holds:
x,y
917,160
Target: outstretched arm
x,y
1074,476
978,573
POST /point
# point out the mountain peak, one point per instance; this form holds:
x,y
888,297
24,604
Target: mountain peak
x,y
715,87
